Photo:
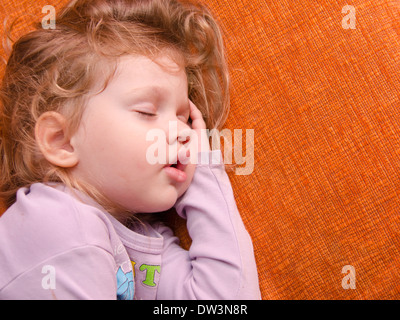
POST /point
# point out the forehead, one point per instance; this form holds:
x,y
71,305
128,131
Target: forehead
x,y
137,75
141,70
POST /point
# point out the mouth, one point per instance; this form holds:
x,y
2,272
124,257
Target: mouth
x,y
176,171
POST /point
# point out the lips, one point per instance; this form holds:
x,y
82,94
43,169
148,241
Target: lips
x,y
176,171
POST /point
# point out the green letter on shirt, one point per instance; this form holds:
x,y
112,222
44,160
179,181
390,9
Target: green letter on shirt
x,y
150,273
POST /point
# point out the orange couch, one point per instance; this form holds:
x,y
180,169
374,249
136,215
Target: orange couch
x,y
320,85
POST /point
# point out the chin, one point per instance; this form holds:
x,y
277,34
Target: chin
x,y
165,203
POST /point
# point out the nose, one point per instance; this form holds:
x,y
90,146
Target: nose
x,y
178,132
178,139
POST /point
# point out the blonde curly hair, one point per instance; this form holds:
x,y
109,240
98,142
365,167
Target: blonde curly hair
x,y
56,69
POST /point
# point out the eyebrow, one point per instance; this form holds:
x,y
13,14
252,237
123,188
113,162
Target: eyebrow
x,y
152,91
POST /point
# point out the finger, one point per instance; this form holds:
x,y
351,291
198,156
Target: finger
x,y
196,116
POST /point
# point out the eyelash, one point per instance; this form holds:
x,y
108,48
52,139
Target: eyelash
x,y
152,115
146,114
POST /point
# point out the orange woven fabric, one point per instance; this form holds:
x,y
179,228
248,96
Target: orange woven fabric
x,y
324,105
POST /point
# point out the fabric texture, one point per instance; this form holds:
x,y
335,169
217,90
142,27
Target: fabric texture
x,y
323,101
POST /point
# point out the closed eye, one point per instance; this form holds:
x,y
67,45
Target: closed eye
x,y
146,114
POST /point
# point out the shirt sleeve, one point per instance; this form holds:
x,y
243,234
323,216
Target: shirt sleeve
x,y
220,263
83,273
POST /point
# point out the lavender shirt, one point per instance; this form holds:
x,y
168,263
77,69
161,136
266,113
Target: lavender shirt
x,y
54,246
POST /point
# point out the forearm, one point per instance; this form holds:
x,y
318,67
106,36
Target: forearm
x,y
220,263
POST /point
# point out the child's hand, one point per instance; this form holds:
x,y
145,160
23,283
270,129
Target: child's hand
x,y
200,129
197,137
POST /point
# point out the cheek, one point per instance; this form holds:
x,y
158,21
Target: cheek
x,y
190,169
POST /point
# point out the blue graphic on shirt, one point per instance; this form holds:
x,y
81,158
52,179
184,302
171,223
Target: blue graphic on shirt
x,y
125,285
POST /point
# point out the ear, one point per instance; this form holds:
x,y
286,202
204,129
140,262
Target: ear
x,y
53,141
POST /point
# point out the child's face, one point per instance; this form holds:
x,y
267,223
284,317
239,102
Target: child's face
x,y
111,140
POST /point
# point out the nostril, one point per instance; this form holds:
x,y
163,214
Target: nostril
x,y
184,136
184,139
